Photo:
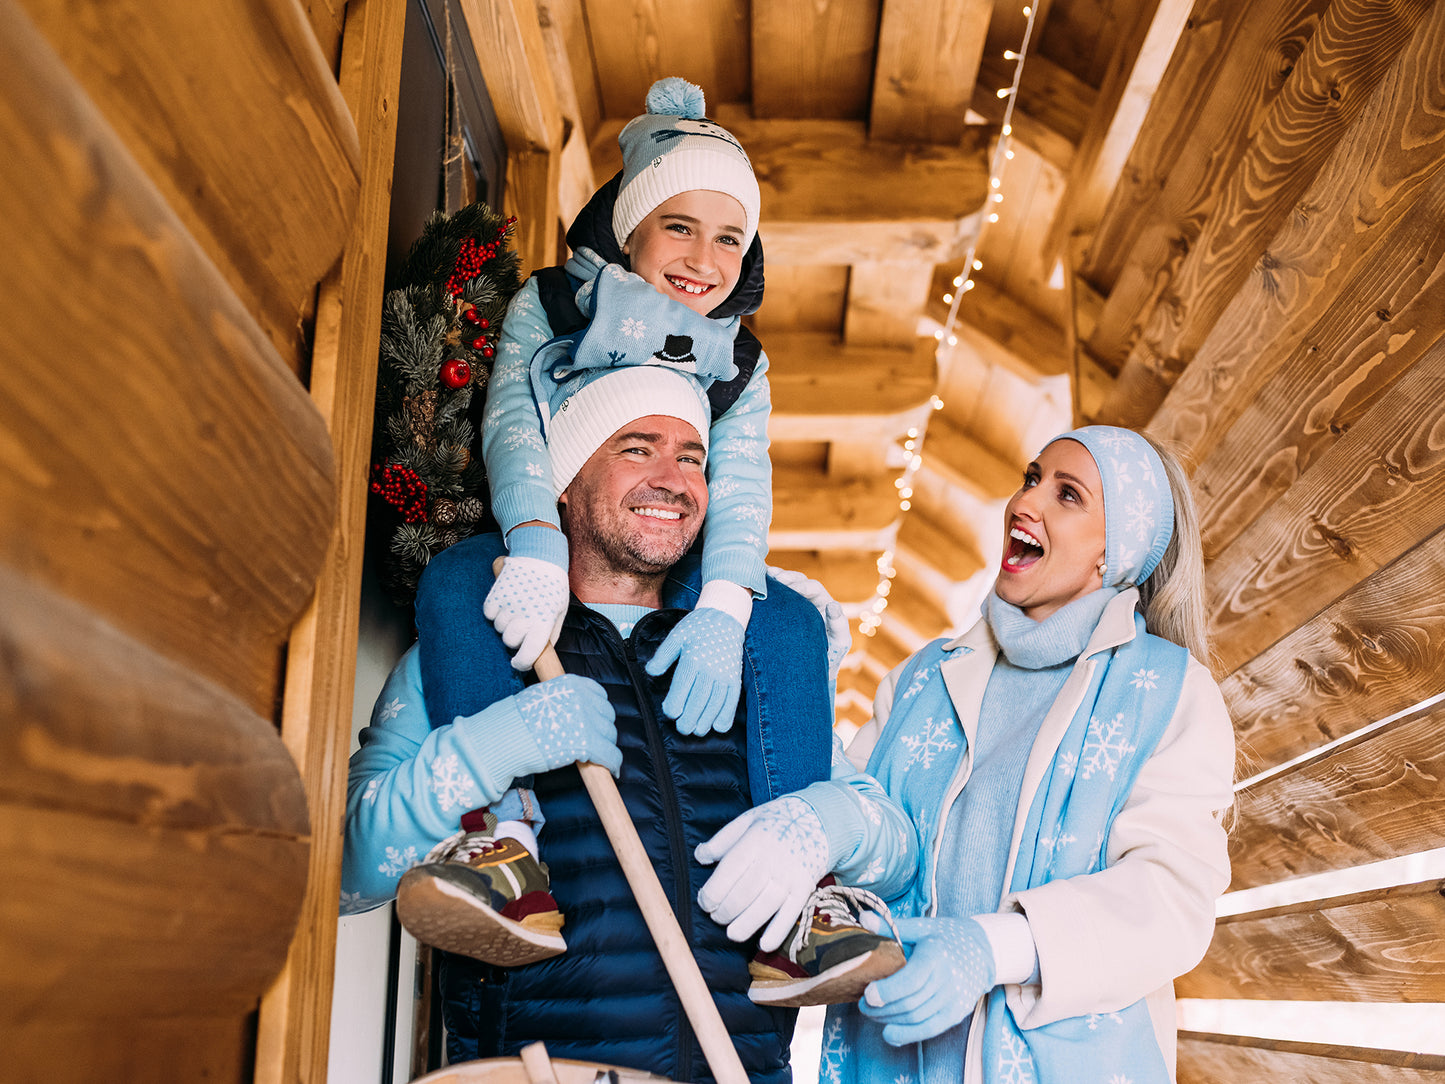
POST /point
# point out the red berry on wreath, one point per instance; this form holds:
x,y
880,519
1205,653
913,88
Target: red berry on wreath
x,y
475,317
456,373
479,342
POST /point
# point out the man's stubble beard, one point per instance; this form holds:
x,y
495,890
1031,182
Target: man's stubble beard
x,y
627,552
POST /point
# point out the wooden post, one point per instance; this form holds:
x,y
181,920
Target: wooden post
x,y
295,1021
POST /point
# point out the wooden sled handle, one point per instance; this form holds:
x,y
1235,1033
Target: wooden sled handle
x,y
677,956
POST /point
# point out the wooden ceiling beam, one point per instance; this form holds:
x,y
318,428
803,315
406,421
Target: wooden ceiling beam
x,y
883,647
832,196
1141,47
856,680
808,505
564,35
1187,146
1376,493
523,94
1371,653
1051,111
850,576
1029,344
885,301
940,549
823,390
1356,44
1375,797
912,604
1364,340
811,59
928,57
1294,952
634,45
966,463
1374,209
851,712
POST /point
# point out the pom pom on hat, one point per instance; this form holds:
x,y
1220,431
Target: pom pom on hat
x,y
674,148
677,97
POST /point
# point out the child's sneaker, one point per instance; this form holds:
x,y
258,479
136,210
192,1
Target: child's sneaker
x,y
829,958
483,897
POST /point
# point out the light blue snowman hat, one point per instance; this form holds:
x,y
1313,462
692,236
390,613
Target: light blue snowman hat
x,y
1138,504
640,354
674,148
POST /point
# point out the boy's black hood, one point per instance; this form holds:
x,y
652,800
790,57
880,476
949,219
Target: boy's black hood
x,y
593,229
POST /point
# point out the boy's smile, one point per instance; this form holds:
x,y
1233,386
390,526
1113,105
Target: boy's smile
x,y
690,248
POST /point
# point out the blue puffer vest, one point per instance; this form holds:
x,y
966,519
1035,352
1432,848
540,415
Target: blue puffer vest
x,y
608,997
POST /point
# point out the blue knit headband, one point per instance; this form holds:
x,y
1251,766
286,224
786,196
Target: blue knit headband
x,y
1138,506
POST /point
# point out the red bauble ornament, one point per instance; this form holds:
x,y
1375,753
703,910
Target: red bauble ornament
x,y
456,373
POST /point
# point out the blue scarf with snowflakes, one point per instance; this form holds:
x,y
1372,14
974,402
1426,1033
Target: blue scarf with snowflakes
x,y
1112,735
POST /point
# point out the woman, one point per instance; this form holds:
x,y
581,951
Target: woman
x,y
1077,758
1066,764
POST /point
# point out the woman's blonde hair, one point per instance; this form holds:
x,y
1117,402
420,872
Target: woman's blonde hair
x,y
1172,598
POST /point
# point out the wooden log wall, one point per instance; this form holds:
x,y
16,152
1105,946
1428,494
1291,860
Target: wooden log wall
x,y
1269,282
177,182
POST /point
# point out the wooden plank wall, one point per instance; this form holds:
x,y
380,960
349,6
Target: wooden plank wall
x,y
178,178
1270,269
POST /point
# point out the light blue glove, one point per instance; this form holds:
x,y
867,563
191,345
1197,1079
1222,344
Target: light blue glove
x,y
707,646
772,857
529,599
835,621
949,968
567,719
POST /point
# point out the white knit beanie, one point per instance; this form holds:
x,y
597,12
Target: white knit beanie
x,y
673,148
605,402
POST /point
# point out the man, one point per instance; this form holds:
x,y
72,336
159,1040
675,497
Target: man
x,y
630,511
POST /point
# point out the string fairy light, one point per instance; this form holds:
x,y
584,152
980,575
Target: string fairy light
x,y
872,613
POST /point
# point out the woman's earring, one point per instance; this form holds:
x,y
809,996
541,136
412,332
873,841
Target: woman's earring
x,y
1103,567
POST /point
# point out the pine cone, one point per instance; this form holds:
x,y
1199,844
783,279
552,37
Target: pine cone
x,y
471,509
444,511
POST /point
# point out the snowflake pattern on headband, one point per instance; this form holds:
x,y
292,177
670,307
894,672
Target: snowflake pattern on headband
x,y
1138,506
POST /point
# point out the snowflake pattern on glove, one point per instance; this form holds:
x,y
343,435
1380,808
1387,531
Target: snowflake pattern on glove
x,y
707,646
526,605
569,719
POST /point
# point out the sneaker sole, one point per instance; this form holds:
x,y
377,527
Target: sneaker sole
x,y
439,913
837,985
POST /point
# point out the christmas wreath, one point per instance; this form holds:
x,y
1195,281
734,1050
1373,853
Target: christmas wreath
x,y
439,329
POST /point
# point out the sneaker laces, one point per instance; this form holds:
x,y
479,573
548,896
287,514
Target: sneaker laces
x,y
841,904
461,846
